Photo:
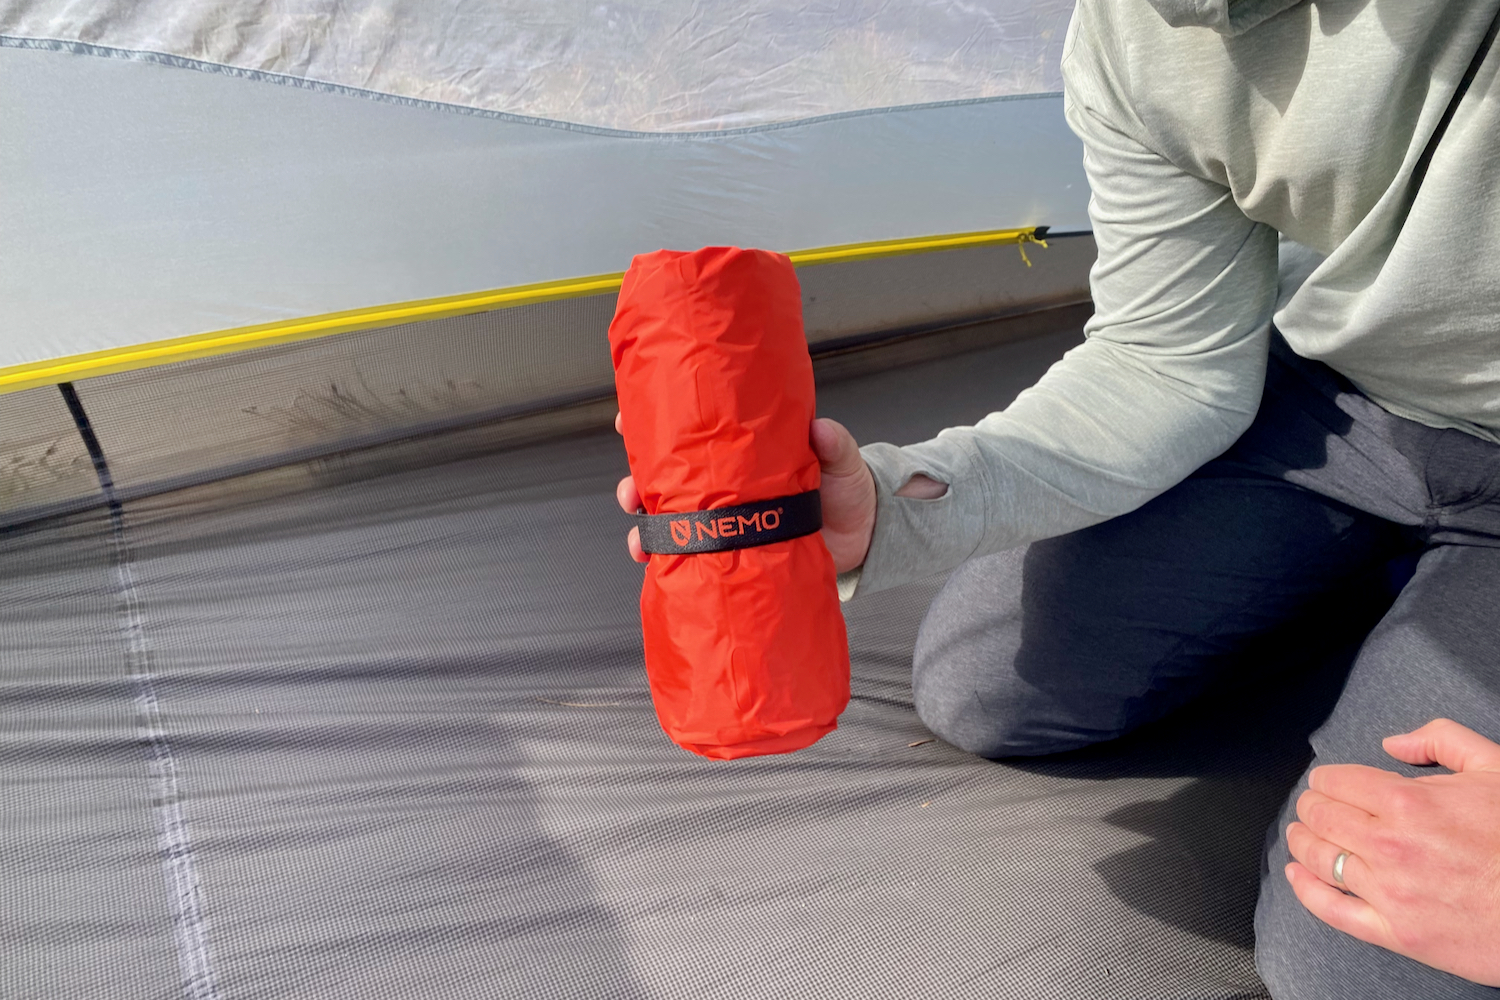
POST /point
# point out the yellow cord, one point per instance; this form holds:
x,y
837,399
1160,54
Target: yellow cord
x,y
1026,238
200,345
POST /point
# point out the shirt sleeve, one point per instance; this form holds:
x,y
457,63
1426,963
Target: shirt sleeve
x,y
1169,376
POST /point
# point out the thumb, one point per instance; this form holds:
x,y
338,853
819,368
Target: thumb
x,y
1445,742
837,451
847,491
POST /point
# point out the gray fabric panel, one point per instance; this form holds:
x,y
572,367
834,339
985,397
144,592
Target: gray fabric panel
x,y
142,202
930,289
44,468
187,422
214,416
84,910
417,759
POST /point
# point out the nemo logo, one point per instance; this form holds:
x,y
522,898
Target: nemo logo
x,y
729,527
682,532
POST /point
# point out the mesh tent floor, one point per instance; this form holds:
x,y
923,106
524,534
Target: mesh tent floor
x,y
390,737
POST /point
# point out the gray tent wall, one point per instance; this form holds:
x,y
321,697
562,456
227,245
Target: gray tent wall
x,y
145,201
154,202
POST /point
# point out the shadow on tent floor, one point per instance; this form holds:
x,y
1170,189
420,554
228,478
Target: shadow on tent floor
x,y
391,738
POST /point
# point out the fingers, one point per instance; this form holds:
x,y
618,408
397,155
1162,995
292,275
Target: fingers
x,y
1445,742
836,449
630,502
1349,914
1336,822
628,495
1366,788
1318,856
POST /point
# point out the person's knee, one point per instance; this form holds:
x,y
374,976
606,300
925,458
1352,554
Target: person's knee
x,y
969,724
970,695
1295,953
965,678
1281,943
1301,958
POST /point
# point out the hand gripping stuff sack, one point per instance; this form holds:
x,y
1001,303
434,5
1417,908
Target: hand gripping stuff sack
x,y
745,646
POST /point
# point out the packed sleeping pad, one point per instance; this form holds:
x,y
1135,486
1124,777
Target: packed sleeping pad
x,y
744,641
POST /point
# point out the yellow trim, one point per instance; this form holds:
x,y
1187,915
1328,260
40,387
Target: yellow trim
x,y
922,244
203,345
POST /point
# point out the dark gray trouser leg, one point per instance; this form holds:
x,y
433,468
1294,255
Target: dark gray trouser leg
x,y
1082,638
1436,654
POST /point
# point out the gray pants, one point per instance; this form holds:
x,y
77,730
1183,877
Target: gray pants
x,y
1082,638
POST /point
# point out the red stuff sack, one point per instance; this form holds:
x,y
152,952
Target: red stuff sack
x,y
745,644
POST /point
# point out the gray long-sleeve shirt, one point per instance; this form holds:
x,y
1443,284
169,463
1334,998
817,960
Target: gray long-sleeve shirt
x,y
1250,160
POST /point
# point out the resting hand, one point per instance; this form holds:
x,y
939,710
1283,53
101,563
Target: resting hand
x,y
848,495
1424,853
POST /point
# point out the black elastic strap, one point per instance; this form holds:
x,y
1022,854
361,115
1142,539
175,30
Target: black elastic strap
x,y
725,528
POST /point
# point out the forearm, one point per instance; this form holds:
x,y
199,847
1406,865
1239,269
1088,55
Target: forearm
x,y
1100,435
1169,376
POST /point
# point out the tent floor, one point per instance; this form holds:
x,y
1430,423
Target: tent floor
x,y
391,738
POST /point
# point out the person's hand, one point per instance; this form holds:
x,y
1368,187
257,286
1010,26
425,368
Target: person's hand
x,y
630,501
1424,853
848,495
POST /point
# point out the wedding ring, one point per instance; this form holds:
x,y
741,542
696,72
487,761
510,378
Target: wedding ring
x,y
1338,867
